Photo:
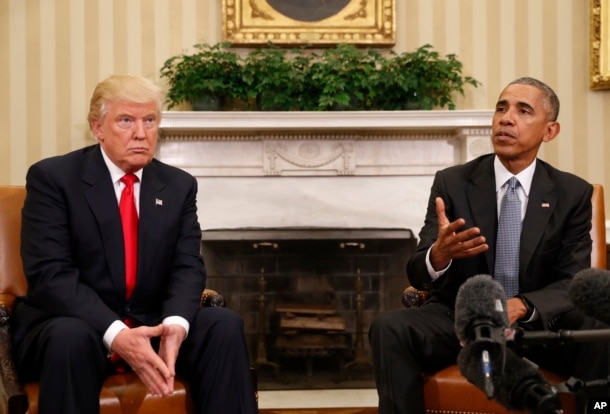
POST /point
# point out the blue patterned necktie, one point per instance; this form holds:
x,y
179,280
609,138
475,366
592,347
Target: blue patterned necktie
x,y
507,243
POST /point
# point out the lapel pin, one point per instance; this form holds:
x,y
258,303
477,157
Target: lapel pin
x,y
158,202
546,205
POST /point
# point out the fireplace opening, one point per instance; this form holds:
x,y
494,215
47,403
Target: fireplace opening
x,y
308,297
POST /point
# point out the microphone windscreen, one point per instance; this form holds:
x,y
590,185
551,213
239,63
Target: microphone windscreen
x,y
589,291
518,385
479,298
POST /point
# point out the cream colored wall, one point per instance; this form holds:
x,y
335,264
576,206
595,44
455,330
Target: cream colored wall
x,y
53,52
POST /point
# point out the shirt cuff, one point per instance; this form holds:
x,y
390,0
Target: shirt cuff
x,y
111,333
433,273
178,320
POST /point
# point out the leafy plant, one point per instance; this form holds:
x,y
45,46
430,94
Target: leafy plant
x,y
340,78
275,78
210,70
421,79
345,77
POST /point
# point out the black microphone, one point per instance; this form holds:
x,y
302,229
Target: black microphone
x,y
518,383
480,300
589,291
480,319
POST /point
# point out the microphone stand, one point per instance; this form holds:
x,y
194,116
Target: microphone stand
x,y
521,337
572,385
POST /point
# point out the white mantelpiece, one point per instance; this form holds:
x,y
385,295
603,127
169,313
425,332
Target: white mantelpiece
x,y
319,169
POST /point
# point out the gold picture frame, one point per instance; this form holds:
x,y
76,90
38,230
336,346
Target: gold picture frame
x,y
302,22
599,49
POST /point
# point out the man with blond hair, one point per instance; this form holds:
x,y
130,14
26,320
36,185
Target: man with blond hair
x,y
111,252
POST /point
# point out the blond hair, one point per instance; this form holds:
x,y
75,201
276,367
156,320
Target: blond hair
x,y
124,88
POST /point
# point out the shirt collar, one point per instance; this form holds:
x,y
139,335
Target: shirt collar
x,y
525,177
115,172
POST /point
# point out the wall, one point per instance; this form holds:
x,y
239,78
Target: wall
x,y
53,52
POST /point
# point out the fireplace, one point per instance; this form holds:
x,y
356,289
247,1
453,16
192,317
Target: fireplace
x,y
308,296
308,220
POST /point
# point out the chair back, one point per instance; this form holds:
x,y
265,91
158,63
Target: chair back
x,y
12,278
598,228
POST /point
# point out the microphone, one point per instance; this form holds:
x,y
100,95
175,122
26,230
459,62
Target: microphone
x,y
480,301
518,383
480,319
589,291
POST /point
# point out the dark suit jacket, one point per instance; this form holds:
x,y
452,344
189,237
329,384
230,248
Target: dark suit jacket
x,y
72,245
555,238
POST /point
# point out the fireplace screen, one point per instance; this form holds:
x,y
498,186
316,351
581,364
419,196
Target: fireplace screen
x,y
308,296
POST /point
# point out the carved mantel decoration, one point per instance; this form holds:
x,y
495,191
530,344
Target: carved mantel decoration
x,y
328,169
309,22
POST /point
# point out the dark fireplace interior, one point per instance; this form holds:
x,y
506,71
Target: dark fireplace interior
x,y
308,296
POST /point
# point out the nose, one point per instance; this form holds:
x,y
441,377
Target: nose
x,y
140,130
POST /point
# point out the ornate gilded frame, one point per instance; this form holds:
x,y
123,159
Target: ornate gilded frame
x,y
256,22
599,49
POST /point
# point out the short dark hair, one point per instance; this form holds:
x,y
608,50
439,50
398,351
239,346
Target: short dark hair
x,y
549,94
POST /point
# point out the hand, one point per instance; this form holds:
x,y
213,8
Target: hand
x,y
516,309
169,347
133,345
451,244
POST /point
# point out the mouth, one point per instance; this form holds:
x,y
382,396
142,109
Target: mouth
x,y
504,135
139,150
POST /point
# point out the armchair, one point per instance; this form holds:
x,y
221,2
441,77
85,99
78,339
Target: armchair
x,y
447,391
121,392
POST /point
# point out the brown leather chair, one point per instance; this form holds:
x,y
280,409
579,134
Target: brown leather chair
x,y
122,393
447,391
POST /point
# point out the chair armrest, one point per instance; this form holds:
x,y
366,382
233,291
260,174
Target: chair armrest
x,y
212,299
412,297
16,400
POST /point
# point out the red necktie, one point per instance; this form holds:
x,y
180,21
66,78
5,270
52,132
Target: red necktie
x,y
129,218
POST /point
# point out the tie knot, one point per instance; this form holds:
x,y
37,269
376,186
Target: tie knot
x,y
513,182
129,179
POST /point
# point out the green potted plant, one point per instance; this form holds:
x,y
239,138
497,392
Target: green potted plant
x,y
274,77
421,79
340,78
205,78
345,78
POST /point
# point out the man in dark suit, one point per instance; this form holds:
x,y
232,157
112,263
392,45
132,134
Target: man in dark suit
x,y
458,240
81,320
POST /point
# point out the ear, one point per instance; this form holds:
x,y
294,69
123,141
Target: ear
x,y
551,132
96,128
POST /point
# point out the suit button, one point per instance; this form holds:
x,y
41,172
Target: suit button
x,y
127,309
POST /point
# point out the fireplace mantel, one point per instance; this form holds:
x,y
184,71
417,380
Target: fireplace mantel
x,y
217,124
350,169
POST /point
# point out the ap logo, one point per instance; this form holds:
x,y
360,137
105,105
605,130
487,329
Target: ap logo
x,y
598,405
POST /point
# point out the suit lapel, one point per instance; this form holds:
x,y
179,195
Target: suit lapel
x,y
541,203
154,205
100,195
481,194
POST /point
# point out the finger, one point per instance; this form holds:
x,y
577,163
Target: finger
x,y
471,252
153,331
440,212
153,381
160,366
472,243
170,384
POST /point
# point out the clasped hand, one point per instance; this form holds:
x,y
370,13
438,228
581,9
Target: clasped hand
x,y
157,371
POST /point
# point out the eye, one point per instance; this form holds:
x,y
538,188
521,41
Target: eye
x,y
125,122
500,108
150,122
